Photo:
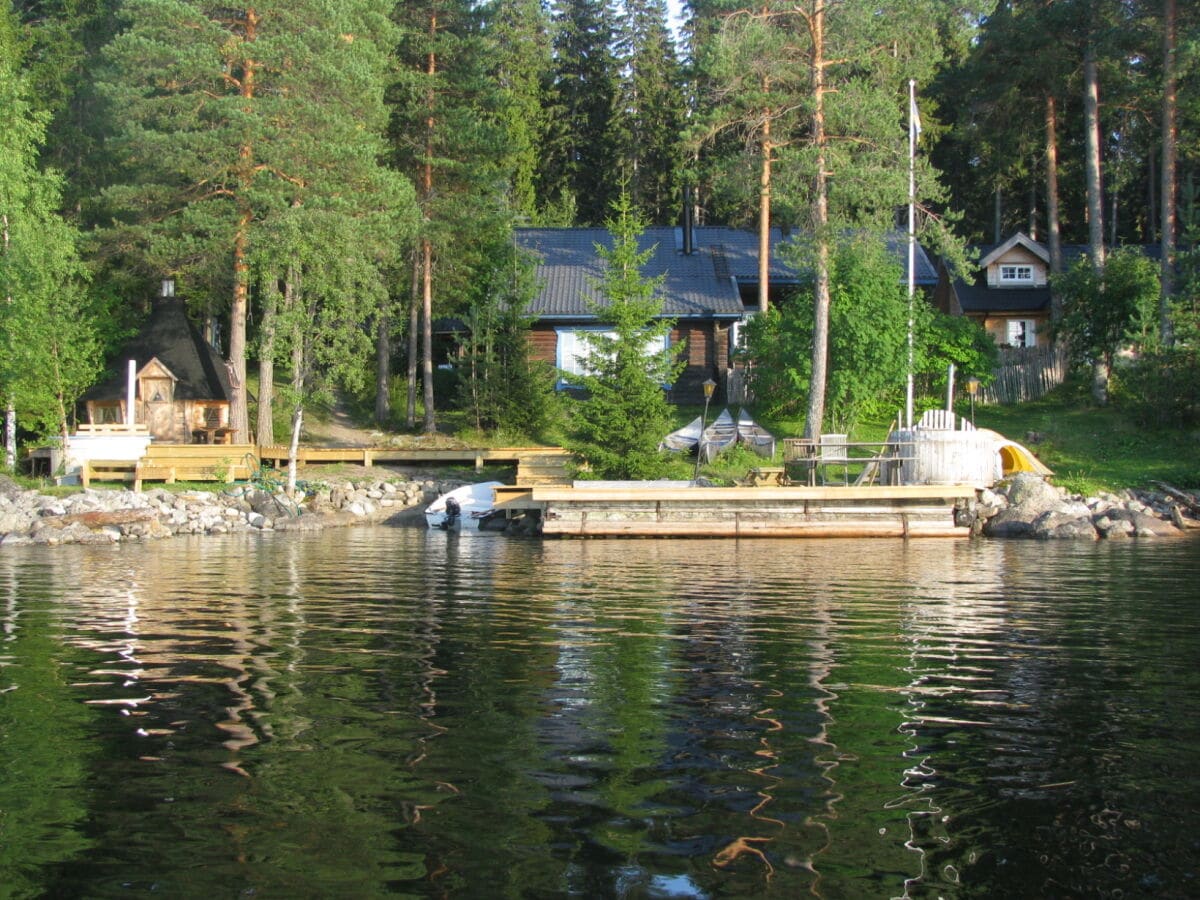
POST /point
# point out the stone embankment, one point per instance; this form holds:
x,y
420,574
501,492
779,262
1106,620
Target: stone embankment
x,y
110,516
1029,507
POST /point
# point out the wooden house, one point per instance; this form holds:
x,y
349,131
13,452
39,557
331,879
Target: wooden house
x,y
710,286
178,383
1009,295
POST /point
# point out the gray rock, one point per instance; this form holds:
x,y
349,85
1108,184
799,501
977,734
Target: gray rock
x,y
1067,525
1113,529
1033,494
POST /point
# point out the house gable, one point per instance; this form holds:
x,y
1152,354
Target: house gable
x,y
1019,263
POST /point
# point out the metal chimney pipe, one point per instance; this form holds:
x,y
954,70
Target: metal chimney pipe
x,y
130,382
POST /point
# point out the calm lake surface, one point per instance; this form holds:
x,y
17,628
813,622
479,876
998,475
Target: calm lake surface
x,y
376,712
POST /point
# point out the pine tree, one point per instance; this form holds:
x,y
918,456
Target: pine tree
x,y
448,136
225,130
65,39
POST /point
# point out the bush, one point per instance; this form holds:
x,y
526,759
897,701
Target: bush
x,y
1161,389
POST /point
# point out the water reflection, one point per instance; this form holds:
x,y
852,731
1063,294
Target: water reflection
x,y
375,711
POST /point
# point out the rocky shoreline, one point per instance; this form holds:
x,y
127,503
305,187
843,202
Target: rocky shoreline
x,y
1027,506
1024,507
111,516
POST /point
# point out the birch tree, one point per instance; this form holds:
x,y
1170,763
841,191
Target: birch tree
x,y
49,350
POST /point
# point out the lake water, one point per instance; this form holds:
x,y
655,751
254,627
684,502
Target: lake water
x,y
378,712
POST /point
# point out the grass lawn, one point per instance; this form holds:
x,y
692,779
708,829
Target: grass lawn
x,y
1090,448
1097,448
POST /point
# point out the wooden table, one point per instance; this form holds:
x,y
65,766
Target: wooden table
x,y
768,476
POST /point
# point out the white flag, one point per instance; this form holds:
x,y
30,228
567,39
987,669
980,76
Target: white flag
x,y
914,117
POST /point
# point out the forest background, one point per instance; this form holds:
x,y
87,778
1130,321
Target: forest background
x,y
328,179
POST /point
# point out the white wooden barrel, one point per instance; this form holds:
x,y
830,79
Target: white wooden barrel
x,y
935,456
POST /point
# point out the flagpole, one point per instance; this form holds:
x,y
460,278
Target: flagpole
x,y
914,128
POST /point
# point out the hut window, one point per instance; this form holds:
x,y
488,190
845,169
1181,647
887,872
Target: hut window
x,y
158,390
107,413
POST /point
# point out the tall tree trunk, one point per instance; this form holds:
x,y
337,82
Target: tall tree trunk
x,y
998,216
1095,195
239,407
10,408
1169,175
266,365
1095,198
1053,229
430,425
10,435
764,214
414,349
814,421
383,368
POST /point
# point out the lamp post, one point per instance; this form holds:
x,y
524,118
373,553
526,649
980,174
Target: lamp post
x,y
710,387
972,390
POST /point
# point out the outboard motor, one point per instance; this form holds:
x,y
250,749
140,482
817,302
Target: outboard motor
x,y
453,514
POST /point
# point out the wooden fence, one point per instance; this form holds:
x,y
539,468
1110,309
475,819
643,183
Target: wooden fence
x,y
1025,374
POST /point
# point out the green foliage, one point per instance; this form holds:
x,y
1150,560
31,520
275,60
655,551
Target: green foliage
x,y
1105,311
49,347
500,386
1161,387
942,339
625,413
580,168
1092,448
868,341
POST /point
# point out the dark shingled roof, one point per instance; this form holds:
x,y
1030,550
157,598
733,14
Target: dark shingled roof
x,y
568,267
976,297
170,336
979,298
699,285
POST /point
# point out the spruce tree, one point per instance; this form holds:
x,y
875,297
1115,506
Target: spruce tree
x,y
519,45
653,107
581,165
616,428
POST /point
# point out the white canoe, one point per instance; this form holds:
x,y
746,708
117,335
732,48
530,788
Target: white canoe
x,y
464,508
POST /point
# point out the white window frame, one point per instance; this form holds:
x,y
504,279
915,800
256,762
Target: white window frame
x,y
1020,333
1016,273
571,353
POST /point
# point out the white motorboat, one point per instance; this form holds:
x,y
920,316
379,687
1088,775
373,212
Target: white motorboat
x,y
463,509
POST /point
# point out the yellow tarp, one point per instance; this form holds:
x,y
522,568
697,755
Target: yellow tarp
x,y
1015,458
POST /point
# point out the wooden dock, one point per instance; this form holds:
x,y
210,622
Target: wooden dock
x,y
867,511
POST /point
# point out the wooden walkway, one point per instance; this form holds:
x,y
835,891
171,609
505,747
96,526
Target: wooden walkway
x,y
535,465
237,462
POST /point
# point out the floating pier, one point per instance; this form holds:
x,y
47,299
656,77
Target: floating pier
x,y
673,511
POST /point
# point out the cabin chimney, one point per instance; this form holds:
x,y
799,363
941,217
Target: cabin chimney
x,y
689,237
